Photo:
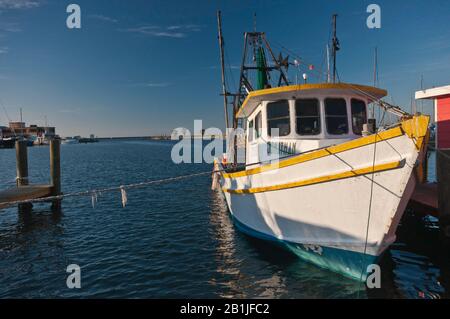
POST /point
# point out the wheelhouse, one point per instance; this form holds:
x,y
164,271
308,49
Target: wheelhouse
x,y
295,119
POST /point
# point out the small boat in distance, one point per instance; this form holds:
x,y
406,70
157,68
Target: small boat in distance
x,y
31,140
7,142
319,177
69,140
87,140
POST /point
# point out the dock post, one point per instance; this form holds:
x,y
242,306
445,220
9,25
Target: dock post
x,y
55,170
21,163
22,170
443,177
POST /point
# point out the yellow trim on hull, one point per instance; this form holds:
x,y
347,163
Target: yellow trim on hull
x,y
317,180
302,158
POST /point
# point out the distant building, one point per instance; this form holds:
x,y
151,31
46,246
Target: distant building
x,y
20,129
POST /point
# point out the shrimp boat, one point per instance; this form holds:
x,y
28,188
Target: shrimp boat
x,y
330,186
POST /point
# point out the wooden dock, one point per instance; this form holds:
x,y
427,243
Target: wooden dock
x,y
26,192
425,199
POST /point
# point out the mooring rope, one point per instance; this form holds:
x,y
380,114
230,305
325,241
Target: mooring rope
x,y
121,188
370,208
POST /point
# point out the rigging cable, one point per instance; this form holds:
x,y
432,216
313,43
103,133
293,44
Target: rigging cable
x,y
370,208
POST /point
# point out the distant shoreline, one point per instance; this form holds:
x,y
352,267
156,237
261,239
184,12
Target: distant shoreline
x,y
152,138
155,138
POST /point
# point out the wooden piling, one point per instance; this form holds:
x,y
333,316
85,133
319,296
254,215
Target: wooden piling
x,y
55,166
21,163
55,171
443,176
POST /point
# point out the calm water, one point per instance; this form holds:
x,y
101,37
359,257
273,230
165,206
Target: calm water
x,y
174,240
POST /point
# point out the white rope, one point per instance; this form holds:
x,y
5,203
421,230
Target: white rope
x,y
370,206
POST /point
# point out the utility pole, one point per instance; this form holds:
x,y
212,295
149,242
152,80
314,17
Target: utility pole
x,y
222,62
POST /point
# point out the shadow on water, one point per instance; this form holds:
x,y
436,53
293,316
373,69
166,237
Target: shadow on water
x,y
418,264
33,242
32,219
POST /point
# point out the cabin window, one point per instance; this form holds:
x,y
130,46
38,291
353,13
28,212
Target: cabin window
x,y
258,125
307,114
250,130
359,116
278,118
336,116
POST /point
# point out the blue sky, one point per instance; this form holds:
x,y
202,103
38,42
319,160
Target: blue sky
x,y
146,67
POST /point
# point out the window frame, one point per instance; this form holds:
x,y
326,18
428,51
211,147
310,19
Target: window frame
x,y
289,117
319,111
251,131
345,99
258,130
351,113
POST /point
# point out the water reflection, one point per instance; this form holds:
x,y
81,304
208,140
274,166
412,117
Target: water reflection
x,y
416,266
249,267
420,262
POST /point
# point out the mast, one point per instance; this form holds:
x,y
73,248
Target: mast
x,y
328,64
375,77
335,48
222,63
375,68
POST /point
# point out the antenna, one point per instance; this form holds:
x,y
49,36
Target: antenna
x,y
328,64
336,47
222,62
375,68
421,87
375,77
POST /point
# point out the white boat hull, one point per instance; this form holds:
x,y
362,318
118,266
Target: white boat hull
x,y
331,210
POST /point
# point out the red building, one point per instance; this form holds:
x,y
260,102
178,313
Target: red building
x,y
441,97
